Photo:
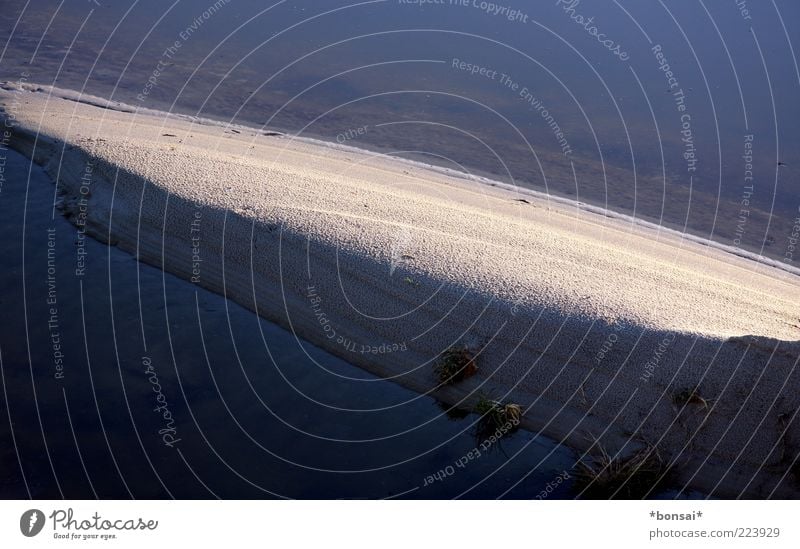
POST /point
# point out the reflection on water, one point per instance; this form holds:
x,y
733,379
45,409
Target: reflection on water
x,y
549,105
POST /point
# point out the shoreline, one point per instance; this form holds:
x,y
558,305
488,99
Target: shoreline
x,y
523,192
426,258
402,436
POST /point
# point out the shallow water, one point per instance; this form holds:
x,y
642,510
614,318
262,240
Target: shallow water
x,y
247,410
389,75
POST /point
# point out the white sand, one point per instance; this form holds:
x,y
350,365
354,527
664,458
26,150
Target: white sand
x,y
418,259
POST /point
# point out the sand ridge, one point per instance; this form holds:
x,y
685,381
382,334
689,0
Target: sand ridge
x,y
353,251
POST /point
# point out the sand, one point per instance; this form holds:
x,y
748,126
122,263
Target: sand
x,y
594,322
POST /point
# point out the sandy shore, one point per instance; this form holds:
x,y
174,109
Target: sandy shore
x,y
593,323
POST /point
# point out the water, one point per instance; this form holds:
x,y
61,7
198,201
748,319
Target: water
x,y
158,388
256,413
326,68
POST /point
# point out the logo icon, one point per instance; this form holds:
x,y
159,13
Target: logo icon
x,y
31,522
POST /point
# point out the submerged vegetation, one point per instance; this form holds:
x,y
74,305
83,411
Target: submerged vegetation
x,y
634,476
497,419
497,413
456,364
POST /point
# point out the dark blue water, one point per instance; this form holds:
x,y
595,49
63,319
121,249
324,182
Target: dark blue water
x,y
122,381
256,412
614,128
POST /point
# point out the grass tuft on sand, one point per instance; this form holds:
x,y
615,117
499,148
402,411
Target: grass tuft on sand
x,y
496,417
634,476
456,364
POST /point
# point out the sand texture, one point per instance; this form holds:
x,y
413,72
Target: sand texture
x,y
594,323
